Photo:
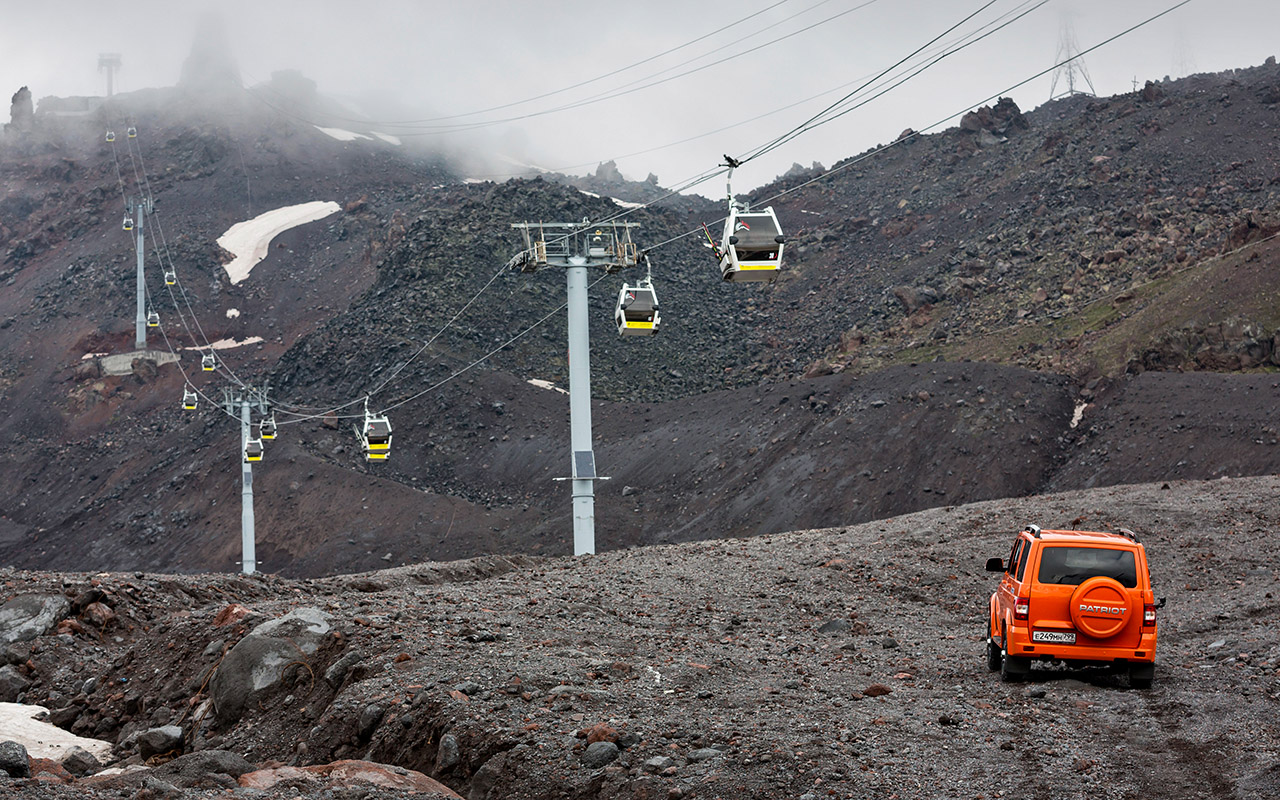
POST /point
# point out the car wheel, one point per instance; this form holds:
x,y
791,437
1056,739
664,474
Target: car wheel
x,y
1013,669
993,655
1141,675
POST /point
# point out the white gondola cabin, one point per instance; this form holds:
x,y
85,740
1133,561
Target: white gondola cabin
x,y
189,398
153,319
267,429
128,223
637,310
111,136
208,362
133,132
170,277
375,435
253,449
751,248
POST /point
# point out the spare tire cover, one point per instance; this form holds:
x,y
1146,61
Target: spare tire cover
x,y
1100,607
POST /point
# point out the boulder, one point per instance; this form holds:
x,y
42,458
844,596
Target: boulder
x,y
14,760
12,684
349,773
30,615
258,661
599,754
158,741
201,769
80,762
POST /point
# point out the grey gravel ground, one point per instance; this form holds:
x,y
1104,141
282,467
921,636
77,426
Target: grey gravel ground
x,y
829,663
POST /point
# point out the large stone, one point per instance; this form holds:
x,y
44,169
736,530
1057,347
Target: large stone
x,y
258,661
599,754
158,741
30,615
80,762
349,773
14,760
197,770
12,684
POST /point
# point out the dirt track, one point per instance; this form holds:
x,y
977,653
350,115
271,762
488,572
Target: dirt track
x,y
718,644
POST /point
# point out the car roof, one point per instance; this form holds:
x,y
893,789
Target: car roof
x,y
1087,537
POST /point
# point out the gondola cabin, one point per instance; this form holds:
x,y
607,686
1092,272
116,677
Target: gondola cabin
x,y
189,399
128,223
111,136
253,450
376,437
751,249
170,277
268,428
637,311
208,362
153,319
133,132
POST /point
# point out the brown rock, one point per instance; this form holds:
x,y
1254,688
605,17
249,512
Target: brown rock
x,y
231,615
876,690
346,774
49,771
601,732
99,614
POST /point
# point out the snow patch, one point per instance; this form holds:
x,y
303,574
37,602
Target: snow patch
x,y
386,137
622,204
343,135
250,240
43,739
227,344
88,356
541,384
1078,414
232,313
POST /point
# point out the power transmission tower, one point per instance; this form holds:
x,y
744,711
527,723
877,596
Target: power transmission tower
x,y
578,246
1069,52
142,207
109,62
240,402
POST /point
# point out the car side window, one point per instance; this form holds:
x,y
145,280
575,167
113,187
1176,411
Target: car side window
x,y
1013,555
1023,558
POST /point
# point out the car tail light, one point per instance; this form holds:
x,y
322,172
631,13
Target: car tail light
x,y
1021,607
1149,615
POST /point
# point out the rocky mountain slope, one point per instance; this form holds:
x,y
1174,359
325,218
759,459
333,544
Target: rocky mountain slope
x,y
1078,248
842,662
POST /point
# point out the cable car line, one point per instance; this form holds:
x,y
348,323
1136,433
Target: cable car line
x,y
828,115
876,151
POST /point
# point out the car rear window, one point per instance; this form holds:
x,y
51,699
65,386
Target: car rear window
x,y
1075,565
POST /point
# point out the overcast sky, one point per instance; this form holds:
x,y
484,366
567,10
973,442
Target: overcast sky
x,y
452,57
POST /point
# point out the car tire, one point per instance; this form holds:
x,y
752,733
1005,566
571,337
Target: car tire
x,y
1141,676
1013,669
994,656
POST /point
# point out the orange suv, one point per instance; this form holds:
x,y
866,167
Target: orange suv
x,y
1080,597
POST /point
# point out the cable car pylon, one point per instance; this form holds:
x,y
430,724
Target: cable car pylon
x,y
578,246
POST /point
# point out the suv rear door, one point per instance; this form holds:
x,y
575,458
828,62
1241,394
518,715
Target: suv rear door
x,y
1060,570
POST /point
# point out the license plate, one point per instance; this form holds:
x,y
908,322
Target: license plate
x,y
1053,637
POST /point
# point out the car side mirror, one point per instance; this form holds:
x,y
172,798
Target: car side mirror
x,y
1160,602
733,240
995,565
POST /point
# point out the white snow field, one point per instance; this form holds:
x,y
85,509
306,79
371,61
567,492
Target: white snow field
x,y
44,739
250,240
